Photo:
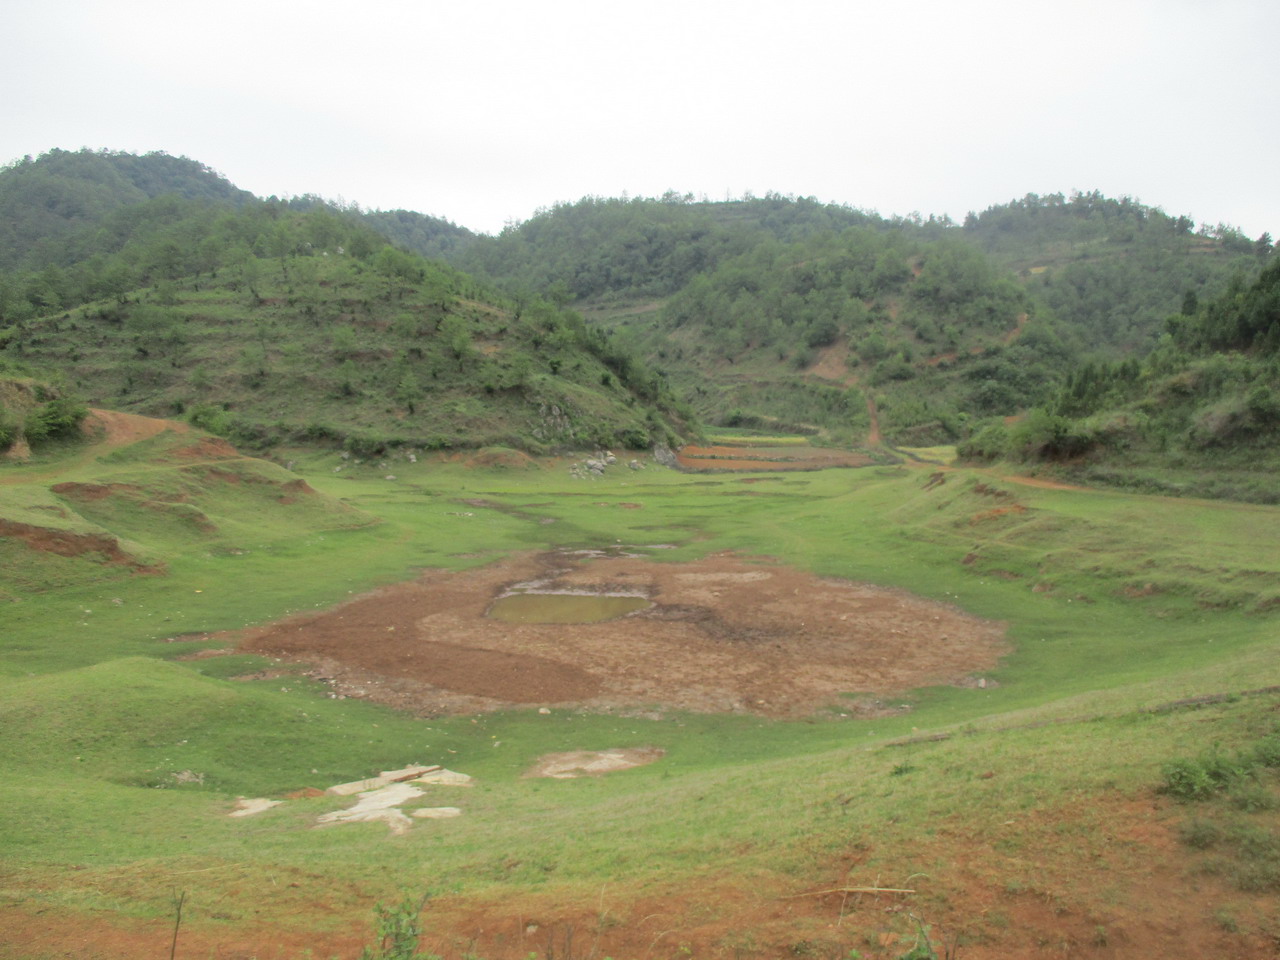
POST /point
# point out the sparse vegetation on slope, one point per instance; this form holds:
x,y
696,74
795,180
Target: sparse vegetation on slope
x,y
1111,270
303,327
1199,416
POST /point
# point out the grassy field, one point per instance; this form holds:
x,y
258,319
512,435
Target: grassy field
x,y
1023,813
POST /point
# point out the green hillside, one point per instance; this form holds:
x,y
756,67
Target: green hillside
x,y
1111,270
51,206
779,312
1027,809
269,323
152,283
803,331
1200,415
610,248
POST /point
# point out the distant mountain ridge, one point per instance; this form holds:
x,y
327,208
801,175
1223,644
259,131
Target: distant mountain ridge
x,y
44,201
293,321
774,311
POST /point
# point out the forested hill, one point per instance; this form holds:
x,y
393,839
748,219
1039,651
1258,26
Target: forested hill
x,y
771,310
272,321
75,225
1113,269
775,311
600,247
803,332
1199,415
49,207
432,237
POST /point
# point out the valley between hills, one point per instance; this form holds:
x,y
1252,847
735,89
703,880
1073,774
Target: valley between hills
x,y
656,579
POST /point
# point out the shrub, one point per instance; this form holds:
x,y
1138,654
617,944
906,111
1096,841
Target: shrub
x,y
55,420
398,930
8,432
989,443
1202,778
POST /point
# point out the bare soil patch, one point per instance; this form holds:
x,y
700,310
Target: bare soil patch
x,y
499,457
206,448
66,543
122,428
833,364
722,635
583,763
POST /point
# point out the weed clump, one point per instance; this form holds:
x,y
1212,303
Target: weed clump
x,y
1215,773
398,930
1203,777
1233,788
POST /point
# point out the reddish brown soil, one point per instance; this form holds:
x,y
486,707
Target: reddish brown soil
x,y
206,448
93,492
65,543
1018,327
1103,878
768,458
723,634
833,364
122,428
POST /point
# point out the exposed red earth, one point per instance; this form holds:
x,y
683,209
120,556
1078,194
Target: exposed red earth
x,y
722,634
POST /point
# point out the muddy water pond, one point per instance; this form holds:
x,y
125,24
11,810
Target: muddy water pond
x,y
563,608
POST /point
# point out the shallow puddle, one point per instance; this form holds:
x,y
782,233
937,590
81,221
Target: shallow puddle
x,y
563,608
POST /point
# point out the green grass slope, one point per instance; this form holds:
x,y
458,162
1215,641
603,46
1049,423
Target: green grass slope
x,y
1117,604
111,510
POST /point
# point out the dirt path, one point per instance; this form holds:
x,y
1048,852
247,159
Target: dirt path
x,y
106,430
832,365
1018,327
722,635
873,433
120,428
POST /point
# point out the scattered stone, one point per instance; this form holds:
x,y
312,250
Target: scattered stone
x,y
375,805
384,778
247,808
665,456
356,786
447,778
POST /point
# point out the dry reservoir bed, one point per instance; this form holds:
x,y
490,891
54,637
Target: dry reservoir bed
x,y
717,635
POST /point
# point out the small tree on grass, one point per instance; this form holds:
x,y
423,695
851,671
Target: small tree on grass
x,y
398,930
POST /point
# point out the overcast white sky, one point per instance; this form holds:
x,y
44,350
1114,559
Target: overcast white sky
x,y
483,111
